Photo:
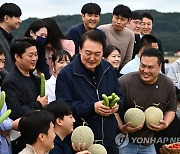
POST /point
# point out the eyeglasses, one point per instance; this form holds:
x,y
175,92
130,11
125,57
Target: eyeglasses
x,y
137,22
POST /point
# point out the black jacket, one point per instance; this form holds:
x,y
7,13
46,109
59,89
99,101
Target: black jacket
x,y
21,93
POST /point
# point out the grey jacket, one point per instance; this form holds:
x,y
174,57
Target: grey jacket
x,y
5,45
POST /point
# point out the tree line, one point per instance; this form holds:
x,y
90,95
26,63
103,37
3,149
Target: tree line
x,y
166,26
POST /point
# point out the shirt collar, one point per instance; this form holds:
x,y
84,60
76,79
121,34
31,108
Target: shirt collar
x,y
7,35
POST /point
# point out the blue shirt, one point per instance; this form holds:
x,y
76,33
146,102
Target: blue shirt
x,y
60,147
131,66
5,146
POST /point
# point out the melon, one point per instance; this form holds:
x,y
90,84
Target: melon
x,y
135,116
98,149
83,135
153,115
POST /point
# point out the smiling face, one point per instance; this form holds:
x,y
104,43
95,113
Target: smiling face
x,y
149,69
90,20
59,64
27,62
48,140
134,25
146,26
115,59
91,54
13,23
67,124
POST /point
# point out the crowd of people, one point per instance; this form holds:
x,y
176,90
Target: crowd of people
x,y
121,57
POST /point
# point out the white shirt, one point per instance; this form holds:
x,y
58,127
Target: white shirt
x,y
50,88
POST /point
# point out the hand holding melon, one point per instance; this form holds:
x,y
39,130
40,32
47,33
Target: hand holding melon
x,y
82,135
152,117
134,119
98,149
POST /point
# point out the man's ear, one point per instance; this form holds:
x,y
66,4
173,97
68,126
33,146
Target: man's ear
x,y
142,50
59,121
6,18
17,58
82,16
129,20
41,137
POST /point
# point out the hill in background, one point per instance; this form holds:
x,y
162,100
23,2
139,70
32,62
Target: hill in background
x,y
166,26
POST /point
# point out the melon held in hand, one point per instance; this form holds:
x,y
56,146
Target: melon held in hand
x,y
83,135
135,116
153,115
98,149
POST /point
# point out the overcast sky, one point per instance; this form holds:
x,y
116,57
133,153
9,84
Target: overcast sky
x,y
49,8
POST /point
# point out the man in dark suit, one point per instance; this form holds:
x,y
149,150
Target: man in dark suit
x,y
9,20
134,25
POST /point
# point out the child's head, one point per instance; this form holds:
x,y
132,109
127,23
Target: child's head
x,y
60,59
63,115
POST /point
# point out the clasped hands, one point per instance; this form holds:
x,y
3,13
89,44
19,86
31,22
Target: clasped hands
x,y
104,110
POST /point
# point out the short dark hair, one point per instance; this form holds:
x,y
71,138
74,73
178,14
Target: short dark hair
x,y
136,15
9,9
109,49
2,51
59,109
34,26
91,8
122,10
146,41
152,52
20,45
34,123
94,35
147,15
60,54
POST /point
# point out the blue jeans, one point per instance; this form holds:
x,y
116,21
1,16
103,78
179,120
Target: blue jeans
x,y
132,148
